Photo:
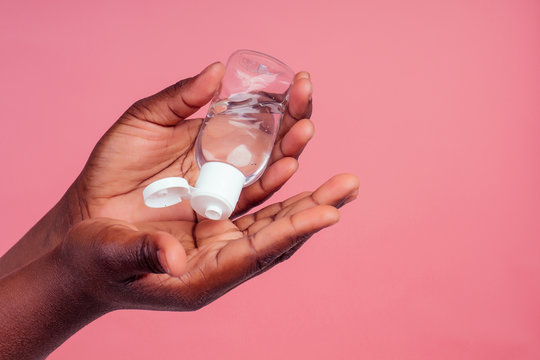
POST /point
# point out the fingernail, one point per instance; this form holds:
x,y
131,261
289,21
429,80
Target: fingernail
x,y
163,261
303,75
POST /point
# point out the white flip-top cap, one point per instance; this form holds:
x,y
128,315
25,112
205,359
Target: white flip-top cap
x,y
166,192
214,196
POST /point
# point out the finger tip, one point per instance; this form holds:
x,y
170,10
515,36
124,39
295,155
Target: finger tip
x,y
302,86
216,66
347,180
280,172
171,254
211,77
291,163
297,138
176,261
331,215
302,75
300,95
353,180
296,165
350,185
308,128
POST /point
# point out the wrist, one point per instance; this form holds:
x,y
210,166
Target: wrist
x,y
70,210
43,304
47,233
76,284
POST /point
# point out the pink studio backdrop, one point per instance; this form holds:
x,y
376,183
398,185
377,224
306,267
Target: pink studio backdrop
x,y
434,104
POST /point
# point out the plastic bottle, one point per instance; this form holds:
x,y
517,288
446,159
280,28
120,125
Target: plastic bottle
x,y
236,138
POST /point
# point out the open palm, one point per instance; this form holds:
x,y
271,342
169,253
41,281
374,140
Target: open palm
x,y
200,261
153,139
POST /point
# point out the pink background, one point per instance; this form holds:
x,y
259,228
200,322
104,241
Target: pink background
x,y
434,104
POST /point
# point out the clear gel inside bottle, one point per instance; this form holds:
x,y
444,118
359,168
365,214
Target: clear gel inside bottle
x,y
241,131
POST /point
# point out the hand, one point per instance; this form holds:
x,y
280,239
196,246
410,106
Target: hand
x,y
104,264
184,265
153,140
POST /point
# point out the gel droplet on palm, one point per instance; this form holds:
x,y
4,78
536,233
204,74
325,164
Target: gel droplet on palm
x,y
236,138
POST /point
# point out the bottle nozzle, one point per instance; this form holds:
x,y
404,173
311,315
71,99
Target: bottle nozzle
x,y
213,212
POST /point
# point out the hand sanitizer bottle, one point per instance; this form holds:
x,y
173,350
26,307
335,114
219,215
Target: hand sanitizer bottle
x,y
236,138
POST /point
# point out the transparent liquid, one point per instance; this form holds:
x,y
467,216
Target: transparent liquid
x,y
241,131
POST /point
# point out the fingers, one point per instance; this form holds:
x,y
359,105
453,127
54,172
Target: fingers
x,y
335,192
278,237
337,189
180,100
259,241
294,141
300,96
243,258
299,106
294,134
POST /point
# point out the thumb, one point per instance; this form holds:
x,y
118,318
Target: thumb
x,y
111,248
155,252
178,101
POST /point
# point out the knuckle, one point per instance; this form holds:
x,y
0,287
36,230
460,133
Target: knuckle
x,y
105,250
106,257
146,256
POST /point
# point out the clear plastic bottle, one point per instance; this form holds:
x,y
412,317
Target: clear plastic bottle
x,y
241,131
236,138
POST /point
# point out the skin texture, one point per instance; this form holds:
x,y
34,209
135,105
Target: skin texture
x,y
99,249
